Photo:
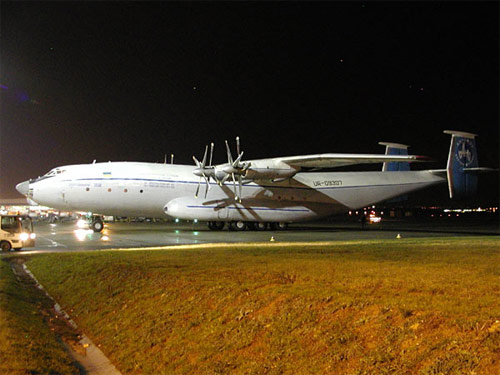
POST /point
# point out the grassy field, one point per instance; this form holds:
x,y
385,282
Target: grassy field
x,y
392,307
27,342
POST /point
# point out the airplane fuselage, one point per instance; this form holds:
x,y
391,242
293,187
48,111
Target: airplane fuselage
x,y
168,190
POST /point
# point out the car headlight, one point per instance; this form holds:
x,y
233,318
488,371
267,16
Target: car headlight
x,y
24,236
32,236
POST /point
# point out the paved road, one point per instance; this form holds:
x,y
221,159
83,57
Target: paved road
x,y
68,237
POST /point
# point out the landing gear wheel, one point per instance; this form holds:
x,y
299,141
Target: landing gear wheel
x,y
260,226
279,226
5,246
257,226
216,225
97,225
237,225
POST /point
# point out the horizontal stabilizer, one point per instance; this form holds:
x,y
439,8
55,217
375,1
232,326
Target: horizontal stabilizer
x,y
479,170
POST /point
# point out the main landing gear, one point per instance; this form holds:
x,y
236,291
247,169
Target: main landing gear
x,y
243,225
97,224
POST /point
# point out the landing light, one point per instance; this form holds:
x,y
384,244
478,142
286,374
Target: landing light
x,y
195,221
24,236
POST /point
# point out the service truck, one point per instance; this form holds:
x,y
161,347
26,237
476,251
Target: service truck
x,y
16,232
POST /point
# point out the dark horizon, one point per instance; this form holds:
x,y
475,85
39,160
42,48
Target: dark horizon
x,y
135,81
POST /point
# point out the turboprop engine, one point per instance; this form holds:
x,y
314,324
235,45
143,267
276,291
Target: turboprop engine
x,y
269,170
240,171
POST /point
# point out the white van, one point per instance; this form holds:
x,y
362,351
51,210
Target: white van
x,y
16,232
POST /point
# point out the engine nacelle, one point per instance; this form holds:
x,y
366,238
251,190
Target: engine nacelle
x,y
269,170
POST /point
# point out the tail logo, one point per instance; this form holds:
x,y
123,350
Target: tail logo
x,y
465,154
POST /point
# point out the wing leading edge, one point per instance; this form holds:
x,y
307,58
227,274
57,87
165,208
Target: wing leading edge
x,y
340,160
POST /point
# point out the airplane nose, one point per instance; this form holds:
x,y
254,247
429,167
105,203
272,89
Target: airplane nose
x,y
23,187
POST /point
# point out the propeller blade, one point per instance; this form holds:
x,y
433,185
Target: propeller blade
x,y
196,161
211,153
204,161
238,145
237,161
226,177
229,156
198,188
207,188
234,187
239,183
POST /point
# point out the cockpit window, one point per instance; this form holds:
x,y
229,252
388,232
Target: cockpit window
x,y
54,172
51,173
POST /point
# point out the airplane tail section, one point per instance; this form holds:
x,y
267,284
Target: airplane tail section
x,y
395,149
463,165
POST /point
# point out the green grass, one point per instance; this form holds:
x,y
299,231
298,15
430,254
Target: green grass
x,y
379,307
27,344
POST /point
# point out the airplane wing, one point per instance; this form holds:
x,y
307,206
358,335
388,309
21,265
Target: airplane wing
x,y
340,160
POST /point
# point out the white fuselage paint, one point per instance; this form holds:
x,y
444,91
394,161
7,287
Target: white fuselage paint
x,y
161,190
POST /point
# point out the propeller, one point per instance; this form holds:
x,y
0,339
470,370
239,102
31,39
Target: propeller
x,y
235,169
204,171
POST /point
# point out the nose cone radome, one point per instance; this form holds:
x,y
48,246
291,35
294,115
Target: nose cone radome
x,y
23,187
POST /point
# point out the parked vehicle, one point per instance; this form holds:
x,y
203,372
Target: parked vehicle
x,y
16,232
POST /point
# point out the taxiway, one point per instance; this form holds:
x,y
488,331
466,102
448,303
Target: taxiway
x,y
66,236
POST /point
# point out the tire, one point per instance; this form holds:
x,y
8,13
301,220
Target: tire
x,y
279,226
5,246
261,226
219,225
237,226
257,226
97,225
282,225
216,225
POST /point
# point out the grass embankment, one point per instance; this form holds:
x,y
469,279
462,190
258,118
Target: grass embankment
x,y
398,307
27,342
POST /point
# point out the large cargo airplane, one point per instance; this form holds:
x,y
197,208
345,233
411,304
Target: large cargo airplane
x,y
253,193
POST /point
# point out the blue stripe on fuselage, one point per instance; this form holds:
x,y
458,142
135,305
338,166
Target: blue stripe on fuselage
x,y
254,185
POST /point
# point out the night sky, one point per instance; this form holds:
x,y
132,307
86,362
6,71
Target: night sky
x,y
134,81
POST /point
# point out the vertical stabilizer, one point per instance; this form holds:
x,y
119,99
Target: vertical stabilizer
x,y
395,149
462,161
396,166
